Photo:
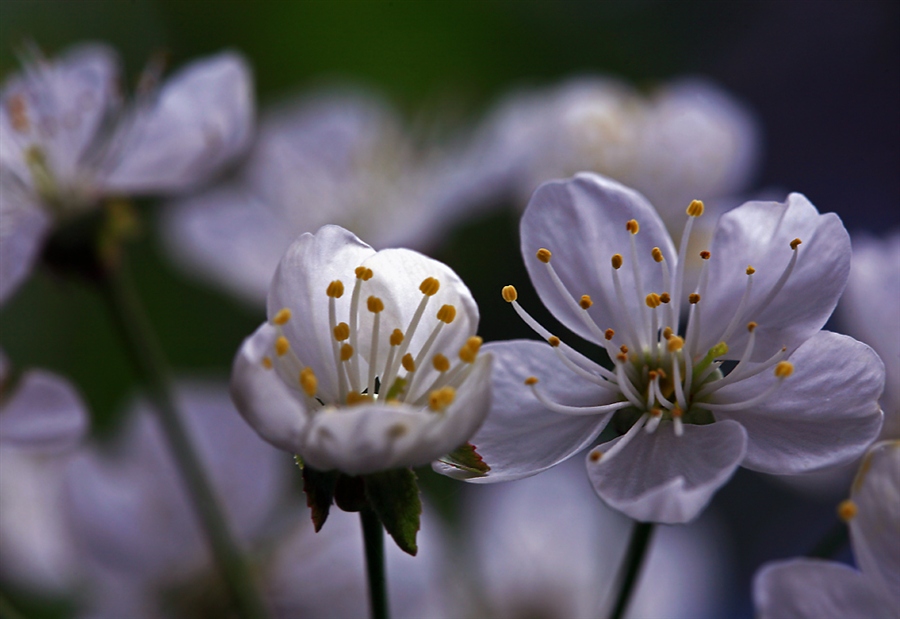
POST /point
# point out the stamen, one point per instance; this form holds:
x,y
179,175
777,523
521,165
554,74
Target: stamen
x,y
677,284
653,422
440,363
353,370
626,438
346,352
509,294
363,273
446,314
605,379
544,255
782,371
430,286
617,261
309,382
376,306
585,302
781,280
335,289
563,409
408,363
626,387
695,208
737,318
282,346
469,352
609,334
341,332
657,254
632,226
676,419
267,363
396,337
440,399
847,510
281,318
620,295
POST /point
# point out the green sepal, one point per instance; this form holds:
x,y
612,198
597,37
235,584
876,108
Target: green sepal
x,y
394,496
466,460
319,489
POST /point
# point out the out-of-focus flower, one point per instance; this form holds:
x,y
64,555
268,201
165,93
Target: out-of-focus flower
x,y
815,589
341,158
383,377
752,379
67,140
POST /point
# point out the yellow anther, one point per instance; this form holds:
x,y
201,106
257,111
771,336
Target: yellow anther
x,y
408,363
429,286
675,343
784,369
677,413
396,337
510,294
446,314
358,398
751,326
667,333
18,113
595,456
705,255
336,289
267,363
632,226
342,332
553,341
609,334
617,261
543,255
665,297
693,298
657,254
346,352
695,208
585,302
531,380
375,304
623,349
847,510
309,382
440,363
282,346
652,375
750,270
469,350
662,373
397,430
439,399
363,273
652,300
795,243
655,412
283,315
622,357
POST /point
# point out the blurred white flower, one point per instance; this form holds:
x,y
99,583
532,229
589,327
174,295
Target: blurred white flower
x,y
384,377
817,589
67,139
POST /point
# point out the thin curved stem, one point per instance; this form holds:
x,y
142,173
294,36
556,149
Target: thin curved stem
x,y
630,570
149,363
373,537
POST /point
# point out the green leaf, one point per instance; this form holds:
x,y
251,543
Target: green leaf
x,y
394,495
467,460
319,489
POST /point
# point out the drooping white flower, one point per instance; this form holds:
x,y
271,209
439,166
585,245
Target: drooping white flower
x,y
67,140
746,378
817,589
369,360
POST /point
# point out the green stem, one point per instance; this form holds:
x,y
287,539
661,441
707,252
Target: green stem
x,y
831,543
150,365
638,545
7,610
373,536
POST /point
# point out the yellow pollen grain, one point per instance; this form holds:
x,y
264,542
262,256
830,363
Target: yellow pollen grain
x,y
705,255
363,273
531,380
429,286
283,315
267,363
553,341
652,300
396,337
609,334
784,369
282,346
665,297
750,270
543,254
632,226
375,305
657,254
346,352
693,298
342,332
675,343
469,351
751,326
510,294
440,363
408,363
617,261
667,333
446,314
308,381
585,301
335,289
847,510
595,456
439,399
795,243
677,413
695,208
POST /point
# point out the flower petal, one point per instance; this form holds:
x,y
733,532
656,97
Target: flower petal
x,y
665,478
23,227
201,119
815,589
582,222
825,413
520,437
759,234
45,412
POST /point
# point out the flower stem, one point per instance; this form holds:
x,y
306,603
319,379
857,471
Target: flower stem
x,y
831,543
638,545
147,358
373,536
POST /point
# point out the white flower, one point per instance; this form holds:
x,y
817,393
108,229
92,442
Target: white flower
x,y
67,140
747,379
385,376
817,589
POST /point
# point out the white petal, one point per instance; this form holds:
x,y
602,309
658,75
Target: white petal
x,y
582,222
825,413
520,437
814,589
759,234
875,529
45,412
23,227
201,119
665,478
